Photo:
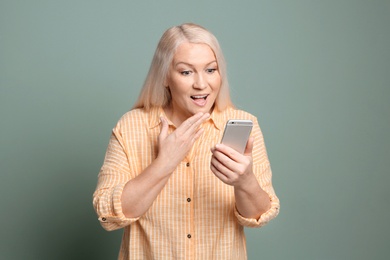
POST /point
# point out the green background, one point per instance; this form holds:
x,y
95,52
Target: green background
x,y
316,73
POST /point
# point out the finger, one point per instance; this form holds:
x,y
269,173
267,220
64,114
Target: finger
x,y
228,177
198,122
193,123
229,152
249,146
221,166
189,122
198,134
219,175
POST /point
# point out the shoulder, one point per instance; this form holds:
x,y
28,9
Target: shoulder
x,y
137,119
233,113
134,114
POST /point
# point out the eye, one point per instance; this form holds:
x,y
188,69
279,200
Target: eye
x,y
185,72
210,71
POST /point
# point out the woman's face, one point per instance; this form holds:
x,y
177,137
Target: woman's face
x,y
193,80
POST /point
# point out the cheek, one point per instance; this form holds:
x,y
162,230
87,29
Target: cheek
x,y
180,83
178,88
216,83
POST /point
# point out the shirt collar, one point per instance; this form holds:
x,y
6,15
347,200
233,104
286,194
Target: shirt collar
x,y
218,120
155,114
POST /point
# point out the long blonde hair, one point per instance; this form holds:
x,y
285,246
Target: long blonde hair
x,y
153,92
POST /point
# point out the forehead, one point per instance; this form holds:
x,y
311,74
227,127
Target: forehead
x,y
193,53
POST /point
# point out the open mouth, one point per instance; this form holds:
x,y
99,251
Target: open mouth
x,y
200,100
199,97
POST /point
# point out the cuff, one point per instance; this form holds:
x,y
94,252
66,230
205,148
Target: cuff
x,y
115,219
264,218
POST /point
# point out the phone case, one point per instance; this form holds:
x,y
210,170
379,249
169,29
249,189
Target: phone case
x,y
236,134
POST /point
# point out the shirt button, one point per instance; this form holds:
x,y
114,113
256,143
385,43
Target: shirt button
x,y
188,164
189,235
189,199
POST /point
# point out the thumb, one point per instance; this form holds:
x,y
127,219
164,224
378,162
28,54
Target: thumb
x,y
164,128
249,146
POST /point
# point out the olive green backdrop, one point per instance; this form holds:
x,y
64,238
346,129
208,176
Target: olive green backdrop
x,y
316,73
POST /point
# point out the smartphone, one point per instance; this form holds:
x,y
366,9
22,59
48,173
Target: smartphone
x,y
236,134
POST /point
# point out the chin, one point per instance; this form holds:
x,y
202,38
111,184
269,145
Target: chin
x,y
203,110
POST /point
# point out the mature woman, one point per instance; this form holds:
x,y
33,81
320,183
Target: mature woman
x,y
166,179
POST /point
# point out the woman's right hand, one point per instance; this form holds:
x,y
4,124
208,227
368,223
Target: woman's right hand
x,y
140,192
172,148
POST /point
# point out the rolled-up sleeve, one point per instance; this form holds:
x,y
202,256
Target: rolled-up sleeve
x,y
113,176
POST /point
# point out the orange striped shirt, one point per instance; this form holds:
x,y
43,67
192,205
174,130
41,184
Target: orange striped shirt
x,y
194,216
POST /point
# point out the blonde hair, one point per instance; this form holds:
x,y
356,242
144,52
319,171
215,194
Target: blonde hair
x,y
154,93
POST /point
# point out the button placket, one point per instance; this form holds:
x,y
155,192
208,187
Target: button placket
x,y
189,171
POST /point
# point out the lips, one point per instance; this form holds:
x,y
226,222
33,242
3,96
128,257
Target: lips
x,y
199,97
200,100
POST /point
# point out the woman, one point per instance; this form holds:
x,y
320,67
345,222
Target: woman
x,y
177,193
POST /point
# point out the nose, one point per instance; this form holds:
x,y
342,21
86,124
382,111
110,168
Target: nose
x,y
200,81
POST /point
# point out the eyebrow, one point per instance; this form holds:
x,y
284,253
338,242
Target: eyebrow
x,y
190,65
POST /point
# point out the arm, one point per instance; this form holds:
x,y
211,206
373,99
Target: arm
x,y
250,175
235,169
119,200
251,200
140,192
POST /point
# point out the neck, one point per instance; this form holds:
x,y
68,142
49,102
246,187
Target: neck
x,y
176,119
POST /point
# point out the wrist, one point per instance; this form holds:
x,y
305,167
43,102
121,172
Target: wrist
x,y
247,183
164,165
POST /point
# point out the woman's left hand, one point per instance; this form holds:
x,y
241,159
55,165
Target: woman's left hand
x,y
232,167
